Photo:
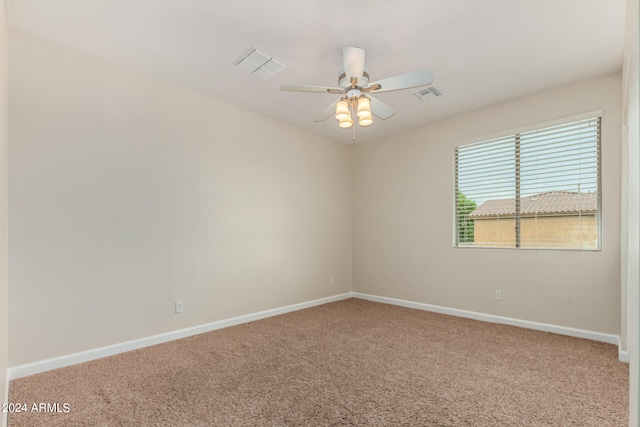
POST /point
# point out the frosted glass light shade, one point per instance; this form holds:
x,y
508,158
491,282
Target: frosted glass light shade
x,y
346,123
342,110
364,107
365,121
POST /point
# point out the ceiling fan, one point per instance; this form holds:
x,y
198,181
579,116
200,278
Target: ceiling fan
x,y
356,89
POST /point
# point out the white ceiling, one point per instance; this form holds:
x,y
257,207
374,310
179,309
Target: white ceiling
x,y
481,52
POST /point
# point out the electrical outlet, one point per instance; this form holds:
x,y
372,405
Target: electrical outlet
x,y
179,306
331,281
498,295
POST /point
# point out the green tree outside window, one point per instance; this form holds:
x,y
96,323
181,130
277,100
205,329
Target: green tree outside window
x,y
464,207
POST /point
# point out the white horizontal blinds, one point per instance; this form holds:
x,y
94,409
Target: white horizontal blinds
x,y
559,185
485,171
561,158
535,189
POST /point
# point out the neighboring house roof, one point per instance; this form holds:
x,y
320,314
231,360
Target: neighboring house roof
x,y
544,203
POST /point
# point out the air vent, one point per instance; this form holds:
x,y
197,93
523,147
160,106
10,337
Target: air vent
x,y
429,92
261,64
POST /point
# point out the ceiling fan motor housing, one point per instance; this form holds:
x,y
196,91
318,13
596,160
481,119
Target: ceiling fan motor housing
x,y
345,82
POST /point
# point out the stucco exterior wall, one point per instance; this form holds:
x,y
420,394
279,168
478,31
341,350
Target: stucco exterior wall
x,y
563,232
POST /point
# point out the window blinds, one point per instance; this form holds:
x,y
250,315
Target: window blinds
x,y
535,189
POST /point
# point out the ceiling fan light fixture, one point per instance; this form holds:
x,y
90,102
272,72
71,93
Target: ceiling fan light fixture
x,y
364,107
353,82
342,110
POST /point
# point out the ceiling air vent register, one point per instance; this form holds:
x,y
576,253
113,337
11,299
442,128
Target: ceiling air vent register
x,y
427,93
260,63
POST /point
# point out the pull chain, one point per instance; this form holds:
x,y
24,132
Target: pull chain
x,y
353,114
354,133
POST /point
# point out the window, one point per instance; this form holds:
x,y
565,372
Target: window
x,y
533,189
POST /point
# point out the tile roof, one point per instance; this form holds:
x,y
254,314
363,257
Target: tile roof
x,y
543,203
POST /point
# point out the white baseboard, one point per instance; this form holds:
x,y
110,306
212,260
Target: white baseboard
x,y
623,356
110,350
546,327
86,356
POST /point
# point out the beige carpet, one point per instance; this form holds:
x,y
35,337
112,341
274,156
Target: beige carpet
x,y
351,362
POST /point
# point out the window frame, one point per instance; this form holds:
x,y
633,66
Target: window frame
x,y
520,130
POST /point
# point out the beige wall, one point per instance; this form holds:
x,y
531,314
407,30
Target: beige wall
x,y
403,221
4,206
563,232
129,193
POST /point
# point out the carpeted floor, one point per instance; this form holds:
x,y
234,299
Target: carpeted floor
x,y
351,362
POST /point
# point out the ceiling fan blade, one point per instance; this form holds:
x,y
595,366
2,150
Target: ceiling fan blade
x,y
326,113
380,109
404,81
353,59
307,88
